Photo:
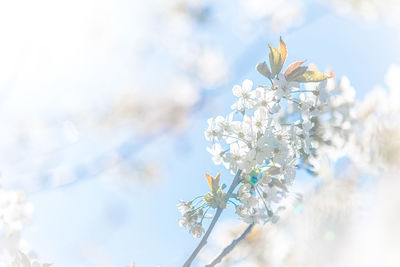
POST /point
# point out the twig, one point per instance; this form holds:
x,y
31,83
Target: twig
x,y
231,246
203,241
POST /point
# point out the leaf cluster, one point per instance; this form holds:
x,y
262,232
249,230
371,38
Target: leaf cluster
x,y
295,72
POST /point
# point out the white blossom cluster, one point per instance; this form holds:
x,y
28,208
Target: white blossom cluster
x,y
326,123
271,131
262,145
191,218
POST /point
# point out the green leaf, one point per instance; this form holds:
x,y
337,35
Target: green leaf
x,y
311,76
213,182
275,60
263,68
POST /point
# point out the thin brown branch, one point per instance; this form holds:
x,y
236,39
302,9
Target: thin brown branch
x,y
231,246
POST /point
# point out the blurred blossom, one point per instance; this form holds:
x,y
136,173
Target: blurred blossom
x,y
23,260
334,127
154,112
95,255
277,15
207,66
192,9
370,10
135,172
15,213
376,236
376,143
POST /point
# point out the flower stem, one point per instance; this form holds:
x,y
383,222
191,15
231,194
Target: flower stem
x,y
203,241
303,91
231,246
204,215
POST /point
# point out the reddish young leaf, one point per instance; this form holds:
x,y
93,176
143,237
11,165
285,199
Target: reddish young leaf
x,y
282,50
293,66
